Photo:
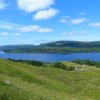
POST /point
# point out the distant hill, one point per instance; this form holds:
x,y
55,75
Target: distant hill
x,y
24,48
75,44
12,47
55,47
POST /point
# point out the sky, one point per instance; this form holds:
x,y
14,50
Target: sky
x,y
41,21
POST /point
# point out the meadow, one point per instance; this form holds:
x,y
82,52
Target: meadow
x,y
20,81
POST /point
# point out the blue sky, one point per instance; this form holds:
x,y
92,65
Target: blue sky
x,y
40,21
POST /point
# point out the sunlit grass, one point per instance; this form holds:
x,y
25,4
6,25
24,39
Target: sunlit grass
x,y
47,83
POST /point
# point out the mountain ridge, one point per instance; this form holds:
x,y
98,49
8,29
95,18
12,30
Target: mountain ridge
x,y
55,47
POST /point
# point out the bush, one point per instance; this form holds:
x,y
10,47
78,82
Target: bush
x,y
59,65
29,62
87,62
70,68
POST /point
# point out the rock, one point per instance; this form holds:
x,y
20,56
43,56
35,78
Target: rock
x,y
78,69
84,65
7,82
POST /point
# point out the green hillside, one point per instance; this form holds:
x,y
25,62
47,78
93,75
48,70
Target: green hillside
x,y
55,47
19,81
74,44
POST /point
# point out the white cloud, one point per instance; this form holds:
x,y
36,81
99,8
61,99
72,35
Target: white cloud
x,y
45,14
4,34
96,24
78,20
82,13
68,33
17,34
74,33
72,21
42,8
63,20
82,33
45,30
35,28
2,4
34,5
9,26
28,28
22,28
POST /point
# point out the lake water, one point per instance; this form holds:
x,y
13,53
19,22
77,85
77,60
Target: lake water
x,y
51,57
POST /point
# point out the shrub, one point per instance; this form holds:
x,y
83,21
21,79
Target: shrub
x,y
29,62
60,65
70,68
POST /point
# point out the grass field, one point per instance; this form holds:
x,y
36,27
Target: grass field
x,y
25,82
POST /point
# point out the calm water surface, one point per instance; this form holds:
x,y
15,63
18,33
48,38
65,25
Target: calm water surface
x,y
51,57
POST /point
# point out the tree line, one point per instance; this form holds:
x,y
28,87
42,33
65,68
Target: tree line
x,y
87,62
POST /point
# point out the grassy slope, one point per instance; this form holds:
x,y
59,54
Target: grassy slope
x,y
36,83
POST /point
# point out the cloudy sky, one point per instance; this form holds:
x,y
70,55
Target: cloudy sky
x,y
39,21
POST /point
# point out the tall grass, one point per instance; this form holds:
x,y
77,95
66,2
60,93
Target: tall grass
x,y
29,82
